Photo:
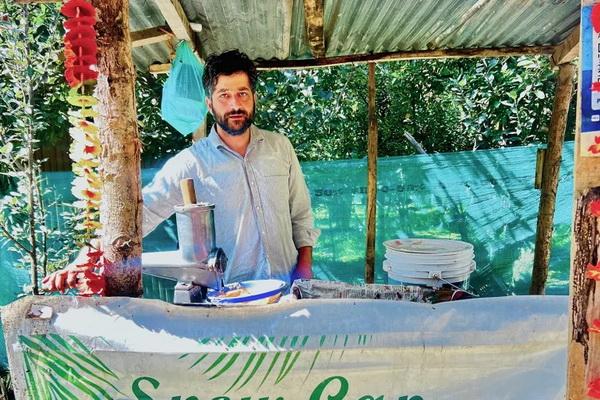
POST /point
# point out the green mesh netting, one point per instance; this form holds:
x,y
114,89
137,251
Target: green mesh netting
x,y
484,197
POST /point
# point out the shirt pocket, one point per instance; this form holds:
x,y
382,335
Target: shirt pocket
x,y
274,176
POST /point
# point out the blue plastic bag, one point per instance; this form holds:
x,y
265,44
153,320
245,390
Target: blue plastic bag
x,y
183,104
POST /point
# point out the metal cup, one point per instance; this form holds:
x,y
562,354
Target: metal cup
x,y
196,231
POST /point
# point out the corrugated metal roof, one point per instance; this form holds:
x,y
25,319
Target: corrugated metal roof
x,y
275,29
144,14
261,28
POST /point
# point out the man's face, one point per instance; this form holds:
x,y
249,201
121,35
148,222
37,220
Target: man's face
x,y
232,103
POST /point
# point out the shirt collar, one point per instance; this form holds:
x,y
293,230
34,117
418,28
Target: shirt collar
x,y
256,136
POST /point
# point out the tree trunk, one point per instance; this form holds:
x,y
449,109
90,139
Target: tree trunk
x,y
120,212
584,349
584,305
550,173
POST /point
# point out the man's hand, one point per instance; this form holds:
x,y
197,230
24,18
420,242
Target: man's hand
x,y
68,277
304,265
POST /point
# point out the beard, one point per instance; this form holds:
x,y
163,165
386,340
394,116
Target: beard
x,y
235,128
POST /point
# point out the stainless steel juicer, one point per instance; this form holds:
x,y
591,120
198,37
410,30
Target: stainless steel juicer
x,y
198,264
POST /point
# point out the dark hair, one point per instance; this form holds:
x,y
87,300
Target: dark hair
x,y
227,63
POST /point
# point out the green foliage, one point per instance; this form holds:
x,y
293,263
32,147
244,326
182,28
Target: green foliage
x,y
159,139
446,105
28,65
40,39
322,111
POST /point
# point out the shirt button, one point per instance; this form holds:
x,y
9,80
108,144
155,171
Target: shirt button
x,y
258,207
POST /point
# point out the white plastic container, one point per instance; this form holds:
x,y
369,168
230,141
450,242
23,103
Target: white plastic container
x,y
428,262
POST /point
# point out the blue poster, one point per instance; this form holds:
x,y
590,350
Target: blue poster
x,y
590,81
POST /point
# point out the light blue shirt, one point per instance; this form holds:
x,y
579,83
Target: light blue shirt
x,y
262,205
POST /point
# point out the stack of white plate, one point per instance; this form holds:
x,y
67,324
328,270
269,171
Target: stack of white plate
x,y
428,262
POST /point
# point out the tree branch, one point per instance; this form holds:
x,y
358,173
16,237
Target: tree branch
x,y
14,240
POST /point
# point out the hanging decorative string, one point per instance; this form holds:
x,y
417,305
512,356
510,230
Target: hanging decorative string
x,y
81,74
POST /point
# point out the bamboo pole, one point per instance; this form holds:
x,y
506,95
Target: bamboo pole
x,y
371,180
121,209
550,174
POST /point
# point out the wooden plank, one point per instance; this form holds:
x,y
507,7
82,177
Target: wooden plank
x,y
371,180
176,19
149,36
159,68
313,16
550,174
567,50
404,55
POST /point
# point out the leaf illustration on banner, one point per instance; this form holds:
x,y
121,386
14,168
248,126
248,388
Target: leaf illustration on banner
x,y
276,357
314,361
64,368
289,362
261,357
345,343
273,362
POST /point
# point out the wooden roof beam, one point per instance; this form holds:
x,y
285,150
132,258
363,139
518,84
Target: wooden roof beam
x,y
568,49
177,21
384,57
313,15
149,36
404,55
159,68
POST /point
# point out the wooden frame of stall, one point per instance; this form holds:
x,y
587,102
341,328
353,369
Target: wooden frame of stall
x,y
121,162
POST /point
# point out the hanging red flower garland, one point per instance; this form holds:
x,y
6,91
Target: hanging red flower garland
x,y
81,74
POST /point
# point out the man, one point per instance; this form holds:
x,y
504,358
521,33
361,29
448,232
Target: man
x,y
263,218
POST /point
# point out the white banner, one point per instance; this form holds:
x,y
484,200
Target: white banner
x,y
120,348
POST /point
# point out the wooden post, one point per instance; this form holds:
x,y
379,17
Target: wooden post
x,y
584,305
550,174
121,209
200,132
372,180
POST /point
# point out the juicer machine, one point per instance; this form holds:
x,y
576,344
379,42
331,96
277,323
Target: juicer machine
x,y
199,264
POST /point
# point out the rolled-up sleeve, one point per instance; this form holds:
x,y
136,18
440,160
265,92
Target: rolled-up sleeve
x,y
303,231
163,193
